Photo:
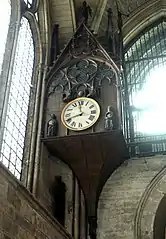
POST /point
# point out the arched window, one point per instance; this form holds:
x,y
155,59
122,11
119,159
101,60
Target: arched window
x,y
29,3
5,13
18,61
17,109
144,88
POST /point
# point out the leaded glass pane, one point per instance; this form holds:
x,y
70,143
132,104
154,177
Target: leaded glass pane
x,y
17,110
5,12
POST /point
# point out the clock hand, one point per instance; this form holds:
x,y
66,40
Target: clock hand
x,y
74,116
80,108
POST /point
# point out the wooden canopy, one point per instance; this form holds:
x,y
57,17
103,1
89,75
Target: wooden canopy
x,y
92,157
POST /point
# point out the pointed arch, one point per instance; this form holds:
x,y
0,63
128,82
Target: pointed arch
x,y
18,102
145,15
143,96
21,85
31,4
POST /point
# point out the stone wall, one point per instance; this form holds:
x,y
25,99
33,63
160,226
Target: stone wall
x,y
75,203
121,196
160,220
49,168
21,216
62,13
149,204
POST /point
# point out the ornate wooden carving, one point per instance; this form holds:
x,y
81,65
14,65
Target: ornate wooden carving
x,y
83,78
82,45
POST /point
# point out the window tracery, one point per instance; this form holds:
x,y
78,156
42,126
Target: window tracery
x,y
28,2
31,4
18,84
16,116
144,97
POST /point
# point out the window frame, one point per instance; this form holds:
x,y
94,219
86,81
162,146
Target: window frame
x,y
8,62
128,121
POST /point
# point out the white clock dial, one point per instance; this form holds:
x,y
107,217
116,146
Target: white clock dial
x,y
80,113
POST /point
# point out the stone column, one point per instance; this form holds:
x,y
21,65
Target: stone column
x,y
76,211
82,217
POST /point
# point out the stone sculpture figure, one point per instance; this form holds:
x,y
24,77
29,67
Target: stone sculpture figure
x,y
52,126
86,12
109,119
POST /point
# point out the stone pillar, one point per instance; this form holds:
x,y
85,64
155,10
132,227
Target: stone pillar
x,y
76,211
82,217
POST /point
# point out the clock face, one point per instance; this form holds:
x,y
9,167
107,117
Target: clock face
x,y
80,114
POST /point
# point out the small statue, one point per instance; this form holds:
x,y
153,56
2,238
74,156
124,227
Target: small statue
x,y
86,12
52,126
109,119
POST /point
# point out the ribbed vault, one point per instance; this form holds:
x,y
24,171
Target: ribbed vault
x,y
65,13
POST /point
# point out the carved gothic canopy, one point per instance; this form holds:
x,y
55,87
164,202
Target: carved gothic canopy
x,y
82,78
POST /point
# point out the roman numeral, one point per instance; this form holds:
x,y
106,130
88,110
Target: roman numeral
x,y
68,121
87,103
81,102
92,106
87,122
69,109
80,125
73,124
93,112
91,117
67,115
74,104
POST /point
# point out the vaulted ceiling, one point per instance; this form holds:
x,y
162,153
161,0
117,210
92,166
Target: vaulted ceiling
x,y
64,12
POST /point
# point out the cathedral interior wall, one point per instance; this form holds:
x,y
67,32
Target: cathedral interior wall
x,y
55,106
160,220
75,212
51,167
21,215
132,203
129,199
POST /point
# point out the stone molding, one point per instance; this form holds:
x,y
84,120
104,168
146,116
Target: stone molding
x,y
33,201
156,190
142,17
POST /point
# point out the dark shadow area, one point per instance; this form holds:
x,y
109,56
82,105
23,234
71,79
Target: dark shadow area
x,y
58,191
160,220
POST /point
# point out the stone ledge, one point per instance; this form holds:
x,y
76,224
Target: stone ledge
x,y
32,200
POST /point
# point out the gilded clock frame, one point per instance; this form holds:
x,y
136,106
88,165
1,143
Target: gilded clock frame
x,y
75,100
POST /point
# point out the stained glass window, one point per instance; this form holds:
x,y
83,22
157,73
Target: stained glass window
x,y
5,12
17,110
